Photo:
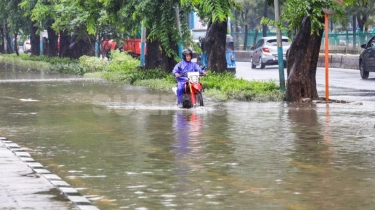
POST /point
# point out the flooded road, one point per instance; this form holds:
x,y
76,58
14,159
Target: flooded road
x,y
126,147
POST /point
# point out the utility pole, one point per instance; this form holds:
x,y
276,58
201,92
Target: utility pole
x,y
5,36
143,44
279,48
327,12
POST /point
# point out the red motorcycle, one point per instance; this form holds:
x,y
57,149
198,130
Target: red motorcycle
x,y
192,96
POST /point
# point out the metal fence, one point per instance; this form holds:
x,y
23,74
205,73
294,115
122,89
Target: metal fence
x,y
339,42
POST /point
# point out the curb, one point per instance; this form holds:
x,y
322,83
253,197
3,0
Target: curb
x,y
71,193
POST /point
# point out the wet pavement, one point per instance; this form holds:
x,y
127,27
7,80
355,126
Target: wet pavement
x,y
24,182
21,187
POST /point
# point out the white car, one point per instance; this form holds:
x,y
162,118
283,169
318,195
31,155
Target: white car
x,y
27,46
265,52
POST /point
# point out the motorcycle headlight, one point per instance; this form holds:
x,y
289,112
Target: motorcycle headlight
x,y
232,58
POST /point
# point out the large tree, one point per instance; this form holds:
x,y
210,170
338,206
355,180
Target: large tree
x,y
307,18
13,22
159,19
65,18
217,12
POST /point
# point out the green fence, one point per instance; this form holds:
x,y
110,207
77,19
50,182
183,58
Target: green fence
x,y
238,38
340,41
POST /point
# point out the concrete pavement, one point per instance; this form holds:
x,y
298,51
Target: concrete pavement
x,y
26,184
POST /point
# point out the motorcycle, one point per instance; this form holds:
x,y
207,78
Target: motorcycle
x,y
192,96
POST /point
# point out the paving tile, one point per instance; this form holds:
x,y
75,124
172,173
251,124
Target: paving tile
x,y
35,165
41,171
78,199
60,183
22,154
68,190
51,177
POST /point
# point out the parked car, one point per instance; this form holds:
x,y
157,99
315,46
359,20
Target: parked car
x,y
367,58
265,51
27,46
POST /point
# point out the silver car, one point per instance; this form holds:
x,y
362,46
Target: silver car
x,y
265,51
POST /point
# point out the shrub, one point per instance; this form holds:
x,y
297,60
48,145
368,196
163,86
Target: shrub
x,y
51,60
240,89
124,68
92,64
18,60
67,68
122,62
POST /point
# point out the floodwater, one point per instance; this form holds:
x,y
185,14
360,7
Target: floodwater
x,y
126,147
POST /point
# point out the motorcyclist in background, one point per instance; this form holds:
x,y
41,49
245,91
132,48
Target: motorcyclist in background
x,y
180,72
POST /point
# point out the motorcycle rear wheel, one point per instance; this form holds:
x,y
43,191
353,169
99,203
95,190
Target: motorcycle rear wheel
x,y
199,99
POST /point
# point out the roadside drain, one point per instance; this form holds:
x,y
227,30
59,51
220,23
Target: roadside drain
x,y
71,193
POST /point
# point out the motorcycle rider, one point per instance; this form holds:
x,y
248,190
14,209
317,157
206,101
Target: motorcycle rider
x,y
180,72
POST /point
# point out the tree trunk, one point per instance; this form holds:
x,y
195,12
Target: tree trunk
x,y
34,40
361,19
245,15
64,44
88,46
245,38
81,47
215,46
2,43
52,43
16,44
354,29
153,57
255,37
73,48
10,49
5,36
302,58
168,63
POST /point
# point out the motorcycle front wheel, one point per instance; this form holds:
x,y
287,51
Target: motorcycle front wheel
x,y
199,99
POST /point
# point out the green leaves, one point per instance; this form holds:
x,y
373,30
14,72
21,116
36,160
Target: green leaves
x,y
40,11
295,10
216,10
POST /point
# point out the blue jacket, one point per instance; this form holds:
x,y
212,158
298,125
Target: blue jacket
x,y
183,68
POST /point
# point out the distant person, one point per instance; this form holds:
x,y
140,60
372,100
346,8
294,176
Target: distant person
x,y
201,44
109,45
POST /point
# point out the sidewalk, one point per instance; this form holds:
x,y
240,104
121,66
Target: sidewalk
x,y
25,184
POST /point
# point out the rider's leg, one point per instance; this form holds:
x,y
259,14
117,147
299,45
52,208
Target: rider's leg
x,y
180,91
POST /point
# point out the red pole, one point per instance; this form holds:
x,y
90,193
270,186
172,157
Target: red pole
x,y
326,54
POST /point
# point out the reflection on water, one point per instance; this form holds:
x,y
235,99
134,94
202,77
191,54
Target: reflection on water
x,y
242,156
14,73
